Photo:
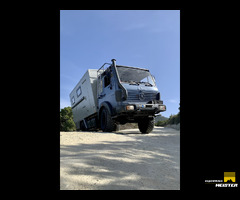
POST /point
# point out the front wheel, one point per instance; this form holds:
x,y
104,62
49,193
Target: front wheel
x,y
146,125
107,124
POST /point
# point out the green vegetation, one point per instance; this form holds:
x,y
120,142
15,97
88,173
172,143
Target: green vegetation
x,y
67,123
173,119
66,120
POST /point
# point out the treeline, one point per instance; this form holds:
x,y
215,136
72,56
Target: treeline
x,y
67,123
66,120
173,119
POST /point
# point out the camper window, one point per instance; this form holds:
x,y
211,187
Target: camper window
x,y
79,91
73,100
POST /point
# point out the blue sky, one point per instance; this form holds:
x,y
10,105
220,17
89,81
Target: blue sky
x,y
140,38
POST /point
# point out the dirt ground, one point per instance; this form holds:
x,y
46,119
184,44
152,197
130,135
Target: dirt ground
x,y
123,160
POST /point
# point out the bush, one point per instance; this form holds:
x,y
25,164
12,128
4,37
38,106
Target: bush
x,y
161,123
173,119
66,120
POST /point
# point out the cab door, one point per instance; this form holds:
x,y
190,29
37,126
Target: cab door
x,y
108,92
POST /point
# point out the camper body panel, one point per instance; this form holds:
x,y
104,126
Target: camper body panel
x,y
84,97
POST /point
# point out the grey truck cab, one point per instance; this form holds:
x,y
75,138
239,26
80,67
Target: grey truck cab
x,y
121,94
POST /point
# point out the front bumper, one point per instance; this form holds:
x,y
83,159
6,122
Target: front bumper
x,y
150,107
141,108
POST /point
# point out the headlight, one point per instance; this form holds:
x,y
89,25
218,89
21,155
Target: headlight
x,y
162,107
130,107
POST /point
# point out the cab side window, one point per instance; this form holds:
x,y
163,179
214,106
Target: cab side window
x,y
107,80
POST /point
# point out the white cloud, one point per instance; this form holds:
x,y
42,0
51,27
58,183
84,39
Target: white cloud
x,y
173,101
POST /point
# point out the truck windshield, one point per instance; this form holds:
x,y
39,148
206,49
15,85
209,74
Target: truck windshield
x,y
135,76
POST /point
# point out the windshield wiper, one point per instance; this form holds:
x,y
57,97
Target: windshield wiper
x,y
146,83
131,82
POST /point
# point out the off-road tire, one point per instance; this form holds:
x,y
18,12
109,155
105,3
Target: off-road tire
x,y
106,122
82,126
146,125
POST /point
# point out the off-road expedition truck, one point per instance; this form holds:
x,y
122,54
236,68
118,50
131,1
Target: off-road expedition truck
x,y
106,97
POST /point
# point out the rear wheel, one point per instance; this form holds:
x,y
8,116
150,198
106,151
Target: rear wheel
x,y
106,122
146,125
82,126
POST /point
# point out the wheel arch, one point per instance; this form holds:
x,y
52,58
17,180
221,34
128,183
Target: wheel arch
x,y
106,105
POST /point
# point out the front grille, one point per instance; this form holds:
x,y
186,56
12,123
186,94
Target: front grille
x,y
134,95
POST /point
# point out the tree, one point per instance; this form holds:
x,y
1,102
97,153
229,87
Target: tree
x,y
173,119
66,120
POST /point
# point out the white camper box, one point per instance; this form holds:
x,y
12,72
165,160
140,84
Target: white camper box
x,y
84,97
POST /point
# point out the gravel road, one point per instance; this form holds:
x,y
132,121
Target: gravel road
x,y
123,160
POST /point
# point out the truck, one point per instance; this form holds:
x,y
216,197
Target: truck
x,y
114,94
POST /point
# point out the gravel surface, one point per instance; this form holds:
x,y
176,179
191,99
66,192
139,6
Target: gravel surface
x,y
123,160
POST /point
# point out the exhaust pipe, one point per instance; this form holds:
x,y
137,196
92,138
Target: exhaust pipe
x,y
125,93
114,62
